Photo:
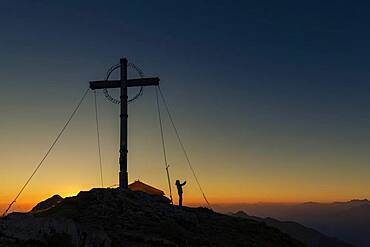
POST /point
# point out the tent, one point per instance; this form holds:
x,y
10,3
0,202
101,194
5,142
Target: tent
x,y
140,186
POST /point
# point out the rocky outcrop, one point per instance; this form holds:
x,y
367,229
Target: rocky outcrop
x,y
47,204
27,230
114,217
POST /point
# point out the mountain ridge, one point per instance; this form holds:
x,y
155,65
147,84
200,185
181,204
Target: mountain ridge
x,y
347,220
115,217
309,236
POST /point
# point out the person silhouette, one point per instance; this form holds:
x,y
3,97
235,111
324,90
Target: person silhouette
x,y
179,190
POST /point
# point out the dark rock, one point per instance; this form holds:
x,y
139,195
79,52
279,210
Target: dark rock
x,y
116,217
48,203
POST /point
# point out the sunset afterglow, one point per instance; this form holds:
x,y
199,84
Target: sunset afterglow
x,y
267,112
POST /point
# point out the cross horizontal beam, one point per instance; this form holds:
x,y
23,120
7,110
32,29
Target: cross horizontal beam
x,y
151,81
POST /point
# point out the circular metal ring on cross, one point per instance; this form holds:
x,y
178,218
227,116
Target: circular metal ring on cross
x,y
110,71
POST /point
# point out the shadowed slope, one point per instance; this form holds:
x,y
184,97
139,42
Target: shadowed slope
x,y
309,236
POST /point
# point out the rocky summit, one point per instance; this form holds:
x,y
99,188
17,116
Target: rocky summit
x,y
116,217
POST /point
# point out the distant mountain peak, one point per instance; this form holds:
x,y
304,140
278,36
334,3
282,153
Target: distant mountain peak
x,y
309,236
360,200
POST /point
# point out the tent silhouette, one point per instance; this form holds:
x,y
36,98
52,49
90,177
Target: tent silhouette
x,y
140,186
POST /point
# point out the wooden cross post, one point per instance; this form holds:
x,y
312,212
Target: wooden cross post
x,y
123,84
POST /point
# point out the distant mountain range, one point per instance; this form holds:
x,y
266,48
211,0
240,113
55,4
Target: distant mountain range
x,y
309,236
348,221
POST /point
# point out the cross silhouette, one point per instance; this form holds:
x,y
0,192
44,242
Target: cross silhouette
x,y
123,84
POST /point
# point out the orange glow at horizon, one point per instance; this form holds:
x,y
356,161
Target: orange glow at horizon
x,y
191,198
230,171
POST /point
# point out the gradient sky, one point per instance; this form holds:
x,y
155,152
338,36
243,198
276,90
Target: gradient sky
x,y
271,98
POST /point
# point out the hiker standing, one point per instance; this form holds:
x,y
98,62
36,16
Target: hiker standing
x,y
179,190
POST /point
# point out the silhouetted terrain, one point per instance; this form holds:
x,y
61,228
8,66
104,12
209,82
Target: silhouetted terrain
x,y
114,217
348,221
308,236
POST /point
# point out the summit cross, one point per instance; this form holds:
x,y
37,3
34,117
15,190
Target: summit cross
x,y
124,84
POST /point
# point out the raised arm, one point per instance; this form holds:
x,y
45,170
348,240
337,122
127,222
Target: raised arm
x,y
183,183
